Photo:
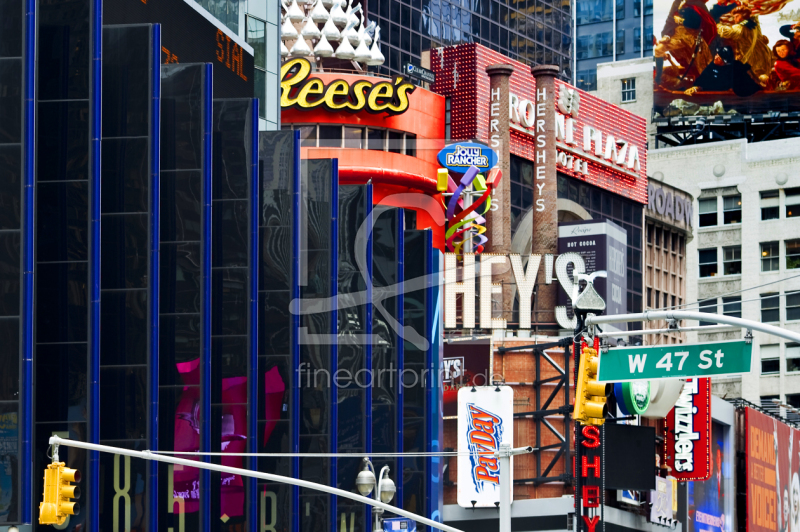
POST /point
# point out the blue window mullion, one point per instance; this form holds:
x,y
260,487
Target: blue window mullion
x,y
95,132
252,379
369,221
205,338
26,333
334,390
295,331
155,224
400,352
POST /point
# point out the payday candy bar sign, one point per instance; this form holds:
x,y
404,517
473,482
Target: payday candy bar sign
x,y
688,442
485,420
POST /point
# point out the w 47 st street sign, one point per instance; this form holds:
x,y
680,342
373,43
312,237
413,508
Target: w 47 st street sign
x,y
671,361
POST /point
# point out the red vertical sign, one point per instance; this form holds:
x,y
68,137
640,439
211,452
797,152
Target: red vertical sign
x,y
688,438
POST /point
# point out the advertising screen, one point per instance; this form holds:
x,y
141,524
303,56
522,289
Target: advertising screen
x,y
725,57
708,498
773,465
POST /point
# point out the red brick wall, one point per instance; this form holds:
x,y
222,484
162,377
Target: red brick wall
x,y
520,367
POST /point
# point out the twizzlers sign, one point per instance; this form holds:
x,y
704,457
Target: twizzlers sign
x,y
485,420
688,439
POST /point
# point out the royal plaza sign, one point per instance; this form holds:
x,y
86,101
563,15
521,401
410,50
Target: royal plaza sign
x,y
597,145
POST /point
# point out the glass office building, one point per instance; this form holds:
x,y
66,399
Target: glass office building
x,y
152,243
610,31
534,32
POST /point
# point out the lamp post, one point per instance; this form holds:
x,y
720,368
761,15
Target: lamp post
x,y
365,482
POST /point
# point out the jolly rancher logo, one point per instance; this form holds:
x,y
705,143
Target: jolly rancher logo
x,y
485,433
304,92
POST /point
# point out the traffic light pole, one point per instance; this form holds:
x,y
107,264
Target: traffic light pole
x,y
148,455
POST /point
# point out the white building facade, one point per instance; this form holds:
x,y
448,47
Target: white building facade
x,y
744,259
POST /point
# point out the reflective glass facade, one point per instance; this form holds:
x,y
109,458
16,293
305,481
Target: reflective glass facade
x,y
531,31
151,243
610,30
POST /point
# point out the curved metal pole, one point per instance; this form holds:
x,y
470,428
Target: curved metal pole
x,y
653,315
147,455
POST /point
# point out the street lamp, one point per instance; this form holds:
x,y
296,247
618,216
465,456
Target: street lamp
x,y
365,483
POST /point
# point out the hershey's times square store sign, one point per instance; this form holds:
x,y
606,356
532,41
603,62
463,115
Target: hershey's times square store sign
x,y
564,155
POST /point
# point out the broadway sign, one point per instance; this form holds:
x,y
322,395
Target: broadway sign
x,y
671,361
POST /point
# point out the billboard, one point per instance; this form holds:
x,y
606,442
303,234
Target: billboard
x,y
772,466
708,499
603,246
485,420
726,57
467,362
688,443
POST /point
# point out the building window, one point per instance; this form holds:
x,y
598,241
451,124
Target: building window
x,y
732,260
770,307
395,142
411,145
793,305
709,306
732,210
594,45
648,38
792,357
770,205
637,8
587,80
257,38
732,306
770,362
793,400
330,136
376,139
792,202
708,262
353,137
620,42
629,90
792,254
769,257
708,212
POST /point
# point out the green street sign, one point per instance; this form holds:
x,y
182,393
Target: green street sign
x,y
678,360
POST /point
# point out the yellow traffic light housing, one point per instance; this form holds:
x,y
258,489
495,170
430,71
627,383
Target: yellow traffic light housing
x,y
590,395
59,491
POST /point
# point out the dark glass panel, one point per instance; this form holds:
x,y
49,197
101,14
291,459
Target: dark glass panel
x,y
231,148
179,344
10,180
61,372
9,359
180,278
181,117
274,314
232,353
126,81
10,30
273,386
9,456
230,233
62,140
181,203
123,336
127,477
275,258
124,176
273,437
9,273
229,301
273,502
61,303
124,250
10,98
123,403
63,50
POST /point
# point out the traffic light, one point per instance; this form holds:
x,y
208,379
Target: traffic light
x,y
59,491
590,395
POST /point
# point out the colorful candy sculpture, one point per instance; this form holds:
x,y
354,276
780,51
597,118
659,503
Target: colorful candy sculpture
x,y
464,216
